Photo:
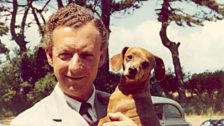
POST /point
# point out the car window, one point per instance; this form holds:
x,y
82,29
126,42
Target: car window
x,y
171,112
159,110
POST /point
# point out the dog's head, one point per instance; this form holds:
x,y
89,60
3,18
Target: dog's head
x,y
137,64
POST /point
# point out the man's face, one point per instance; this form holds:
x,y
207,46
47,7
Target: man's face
x,y
75,58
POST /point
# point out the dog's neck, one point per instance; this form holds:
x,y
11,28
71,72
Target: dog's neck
x,y
133,87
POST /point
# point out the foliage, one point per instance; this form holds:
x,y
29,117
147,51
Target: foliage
x,y
169,85
178,11
107,83
12,88
205,93
34,66
20,89
23,80
208,82
3,31
12,10
43,88
194,12
204,103
33,12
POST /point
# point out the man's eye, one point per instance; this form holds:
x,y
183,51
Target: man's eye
x,y
65,56
86,55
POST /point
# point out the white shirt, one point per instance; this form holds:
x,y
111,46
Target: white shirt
x,y
75,105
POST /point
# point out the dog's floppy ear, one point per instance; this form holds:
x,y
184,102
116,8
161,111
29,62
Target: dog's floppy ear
x,y
116,61
159,69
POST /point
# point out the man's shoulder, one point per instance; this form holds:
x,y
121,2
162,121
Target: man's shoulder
x,y
102,93
102,96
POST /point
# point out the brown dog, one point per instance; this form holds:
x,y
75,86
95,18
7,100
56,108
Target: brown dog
x,y
132,95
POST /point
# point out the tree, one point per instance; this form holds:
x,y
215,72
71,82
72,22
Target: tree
x,y
205,10
206,91
3,31
17,12
21,77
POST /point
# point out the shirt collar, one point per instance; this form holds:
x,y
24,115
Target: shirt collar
x,y
75,104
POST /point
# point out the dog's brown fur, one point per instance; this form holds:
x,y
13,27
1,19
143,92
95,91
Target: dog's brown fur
x,y
132,95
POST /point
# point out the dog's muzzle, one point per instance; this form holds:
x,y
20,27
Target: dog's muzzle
x,y
132,72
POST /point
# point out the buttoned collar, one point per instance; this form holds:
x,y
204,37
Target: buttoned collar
x,y
75,104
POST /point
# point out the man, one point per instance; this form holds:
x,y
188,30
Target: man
x,y
75,43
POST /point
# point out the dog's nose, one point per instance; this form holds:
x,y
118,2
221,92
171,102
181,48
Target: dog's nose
x,y
132,71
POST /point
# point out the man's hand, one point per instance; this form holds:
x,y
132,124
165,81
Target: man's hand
x,y
118,119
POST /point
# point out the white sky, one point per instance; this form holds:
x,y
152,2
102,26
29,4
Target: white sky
x,y
201,48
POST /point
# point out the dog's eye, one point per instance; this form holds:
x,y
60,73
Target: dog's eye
x,y
145,64
129,57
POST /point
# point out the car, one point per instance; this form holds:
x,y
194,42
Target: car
x,y
169,112
210,122
213,122
220,122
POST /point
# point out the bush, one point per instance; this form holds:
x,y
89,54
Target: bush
x,y
42,88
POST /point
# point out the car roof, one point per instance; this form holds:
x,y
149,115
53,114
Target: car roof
x,y
163,100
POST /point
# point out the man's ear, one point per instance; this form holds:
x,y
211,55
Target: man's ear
x,y
48,52
159,69
103,54
116,61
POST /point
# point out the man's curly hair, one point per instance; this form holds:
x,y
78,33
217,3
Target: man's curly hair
x,y
73,16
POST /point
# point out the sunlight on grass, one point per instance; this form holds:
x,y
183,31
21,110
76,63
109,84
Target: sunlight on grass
x,y
6,121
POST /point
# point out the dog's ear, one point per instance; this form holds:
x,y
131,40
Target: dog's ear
x,y
116,61
159,69
124,50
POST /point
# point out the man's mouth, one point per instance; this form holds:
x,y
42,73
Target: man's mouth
x,y
75,77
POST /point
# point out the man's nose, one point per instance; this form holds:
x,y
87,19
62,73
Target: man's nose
x,y
75,63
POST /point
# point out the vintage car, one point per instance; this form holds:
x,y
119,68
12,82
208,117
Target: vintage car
x,y
213,122
169,112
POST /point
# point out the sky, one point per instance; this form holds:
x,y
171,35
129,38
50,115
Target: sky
x,y
201,48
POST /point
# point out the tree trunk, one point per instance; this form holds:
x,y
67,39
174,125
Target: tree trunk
x,y
103,73
81,2
18,37
60,4
173,47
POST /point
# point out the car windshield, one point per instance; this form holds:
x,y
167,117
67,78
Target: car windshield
x,y
171,112
167,111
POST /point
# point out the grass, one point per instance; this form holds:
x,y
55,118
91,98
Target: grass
x,y
6,120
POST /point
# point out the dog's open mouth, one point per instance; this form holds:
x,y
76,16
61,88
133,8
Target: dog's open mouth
x,y
130,76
